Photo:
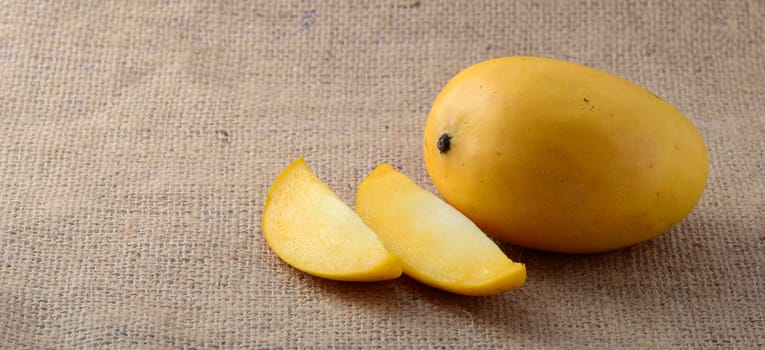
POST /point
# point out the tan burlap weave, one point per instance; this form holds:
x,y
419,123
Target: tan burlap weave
x,y
138,140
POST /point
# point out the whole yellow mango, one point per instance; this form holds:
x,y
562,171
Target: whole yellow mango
x,y
557,156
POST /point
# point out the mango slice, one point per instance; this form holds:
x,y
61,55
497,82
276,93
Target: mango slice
x,y
437,244
309,227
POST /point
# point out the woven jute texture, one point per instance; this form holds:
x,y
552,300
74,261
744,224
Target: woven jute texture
x,y
138,140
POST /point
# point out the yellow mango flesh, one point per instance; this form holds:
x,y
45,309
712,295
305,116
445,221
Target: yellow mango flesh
x,y
436,243
557,156
309,227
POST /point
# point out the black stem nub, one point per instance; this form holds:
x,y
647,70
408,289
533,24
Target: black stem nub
x,y
444,143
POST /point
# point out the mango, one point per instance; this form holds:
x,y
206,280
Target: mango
x,y
437,244
310,228
557,156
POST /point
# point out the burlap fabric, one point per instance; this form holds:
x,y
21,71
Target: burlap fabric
x,y
138,140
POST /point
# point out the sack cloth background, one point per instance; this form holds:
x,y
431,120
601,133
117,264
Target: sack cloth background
x,y
138,140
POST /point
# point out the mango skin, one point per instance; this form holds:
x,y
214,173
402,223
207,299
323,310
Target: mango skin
x,y
557,156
